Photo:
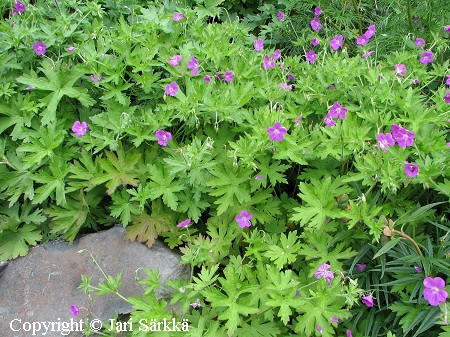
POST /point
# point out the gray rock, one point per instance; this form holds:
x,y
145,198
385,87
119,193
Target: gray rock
x,y
41,286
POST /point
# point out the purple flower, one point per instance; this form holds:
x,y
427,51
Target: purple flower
x,y
418,269
337,110
259,177
349,333
368,300
361,266
317,11
70,49
20,7
297,294
315,24
415,20
447,97
74,310
193,64
419,41
172,89
268,63
370,52
448,80
384,141
336,43
276,132
258,45
402,136
292,77
311,56
411,169
315,41
243,219
276,55
207,79
96,79
447,29
174,60
427,57
362,40
370,32
79,128
297,121
228,76
178,16
196,304
415,81
331,86
186,222
39,48
30,87
400,69
434,291
328,121
285,86
319,328
323,271
280,15
163,138
335,319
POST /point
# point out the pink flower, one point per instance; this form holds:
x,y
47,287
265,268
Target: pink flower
x,y
337,110
411,169
163,138
280,15
337,42
276,132
311,56
400,69
276,55
228,76
207,79
96,79
447,29
370,52
419,41
175,60
434,291
243,219
315,24
317,11
448,80
184,223
328,121
172,89
80,128
70,49
447,97
268,63
368,300
258,45
315,41
74,310
40,48
323,271
19,6
285,86
362,40
178,17
427,57
361,266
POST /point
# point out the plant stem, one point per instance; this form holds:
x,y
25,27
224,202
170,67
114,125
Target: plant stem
x,y
355,5
407,237
409,17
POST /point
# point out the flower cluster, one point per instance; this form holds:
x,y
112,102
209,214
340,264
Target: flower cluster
x,y
270,62
364,39
315,23
336,111
19,8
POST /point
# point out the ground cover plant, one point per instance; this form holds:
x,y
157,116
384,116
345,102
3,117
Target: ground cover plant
x,y
295,153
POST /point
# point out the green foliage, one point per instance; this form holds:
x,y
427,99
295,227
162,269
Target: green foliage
x,y
323,195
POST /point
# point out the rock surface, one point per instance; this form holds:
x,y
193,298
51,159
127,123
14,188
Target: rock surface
x,y
41,286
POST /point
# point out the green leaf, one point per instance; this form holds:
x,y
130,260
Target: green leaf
x,y
163,184
52,182
229,183
60,81
388,246
286,252
120,169
15,243
122,208
146,227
